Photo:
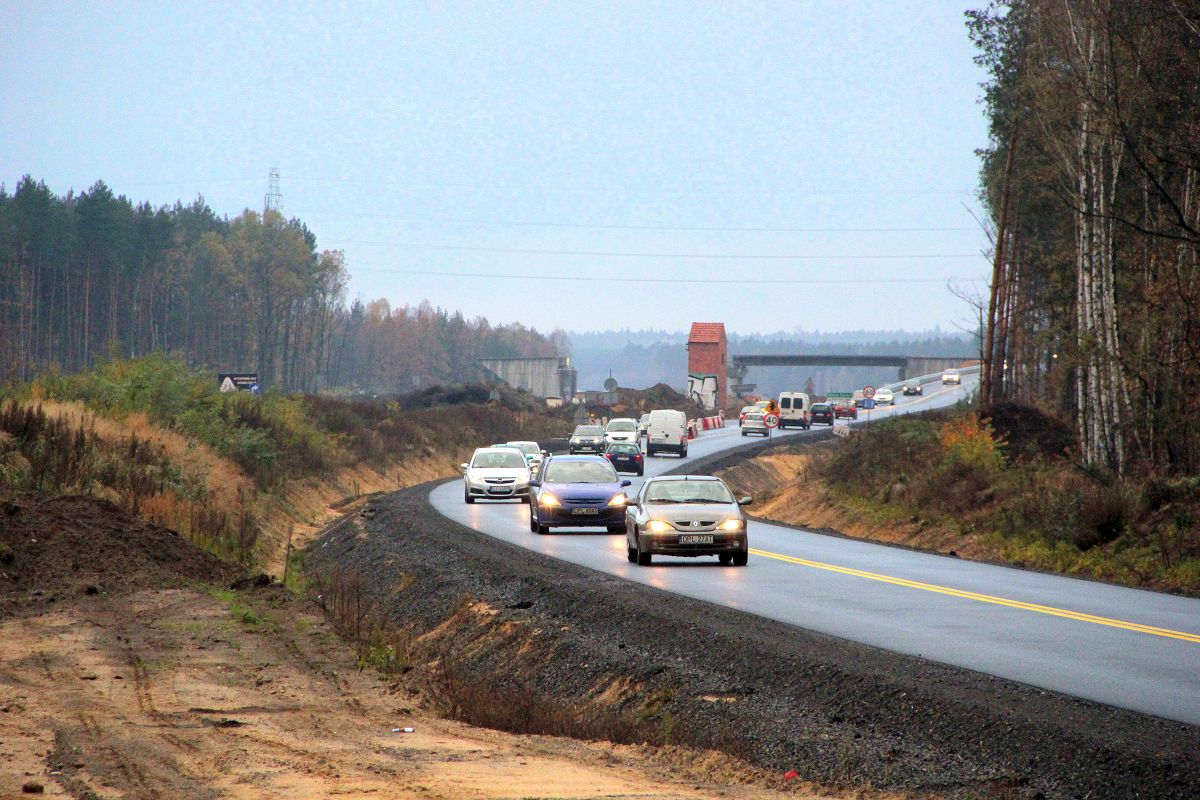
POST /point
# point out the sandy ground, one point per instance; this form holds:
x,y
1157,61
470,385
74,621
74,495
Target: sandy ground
x,y
198,693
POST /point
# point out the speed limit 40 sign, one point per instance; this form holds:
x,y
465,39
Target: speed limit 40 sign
x,y
771,420
869,392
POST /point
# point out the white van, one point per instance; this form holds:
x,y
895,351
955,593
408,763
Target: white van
x,y
667,431
795,410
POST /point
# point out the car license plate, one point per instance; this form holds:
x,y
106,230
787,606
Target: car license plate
x,y
696,538
584,512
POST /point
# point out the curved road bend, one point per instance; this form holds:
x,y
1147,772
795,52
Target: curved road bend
x,y
1124,647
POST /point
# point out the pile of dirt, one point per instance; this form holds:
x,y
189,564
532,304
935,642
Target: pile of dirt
x,y
54,549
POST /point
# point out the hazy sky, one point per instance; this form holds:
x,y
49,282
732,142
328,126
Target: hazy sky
x,y
565,149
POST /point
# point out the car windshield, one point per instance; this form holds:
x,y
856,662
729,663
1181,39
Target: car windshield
x,y
951,372
820,407
589,430
622,426
498,459
645,419
688,492
754,417
624,449
528,448
580,472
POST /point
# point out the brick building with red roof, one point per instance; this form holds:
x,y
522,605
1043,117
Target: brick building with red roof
x,y
708,354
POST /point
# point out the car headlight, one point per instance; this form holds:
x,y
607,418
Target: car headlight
x,y
658,526
548,500
731,525
618,501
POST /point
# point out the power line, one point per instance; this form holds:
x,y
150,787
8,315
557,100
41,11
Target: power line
x,y
678,281
617,189
616,254
608,226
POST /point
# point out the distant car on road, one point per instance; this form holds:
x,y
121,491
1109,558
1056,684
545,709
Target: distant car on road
x,y
823,413
534,455
496,473
577,492
643,424
859,398
846,409
913,388
626,457
586,439
686,515
746,410
952,376
621,429
755,422
884,397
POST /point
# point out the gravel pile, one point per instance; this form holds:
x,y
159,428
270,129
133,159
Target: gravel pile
x,y
839,713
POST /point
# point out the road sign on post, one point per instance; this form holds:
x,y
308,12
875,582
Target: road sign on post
x,y
868,392
771,420
868,404
238,382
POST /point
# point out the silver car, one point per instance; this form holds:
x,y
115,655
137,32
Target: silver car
x,y
496,473
587,439
686,515
755,422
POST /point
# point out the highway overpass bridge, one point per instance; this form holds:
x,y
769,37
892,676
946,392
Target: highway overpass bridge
x,y
907,366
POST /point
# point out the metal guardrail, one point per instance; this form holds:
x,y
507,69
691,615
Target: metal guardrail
x,y
931,378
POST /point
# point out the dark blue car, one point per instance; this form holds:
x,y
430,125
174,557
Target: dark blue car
x,y
577,492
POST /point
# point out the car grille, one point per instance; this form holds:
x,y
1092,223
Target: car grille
x,y
686,525
586,501
499,481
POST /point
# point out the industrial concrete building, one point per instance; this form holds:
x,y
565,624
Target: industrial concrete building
x,y
551,376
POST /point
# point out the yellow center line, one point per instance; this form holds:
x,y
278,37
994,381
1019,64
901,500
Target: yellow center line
x,y
985,598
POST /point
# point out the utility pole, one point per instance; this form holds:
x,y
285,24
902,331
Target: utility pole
x,y
273,201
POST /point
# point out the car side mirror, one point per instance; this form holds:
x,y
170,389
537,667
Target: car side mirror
x,y
745,501
626,483
464,467
545,453
633,502
535,482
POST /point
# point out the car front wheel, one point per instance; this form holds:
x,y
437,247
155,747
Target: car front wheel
x,y
467,496
741,558
643,558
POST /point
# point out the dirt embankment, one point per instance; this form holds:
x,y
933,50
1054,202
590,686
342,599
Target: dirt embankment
x,y
128,669
785,489
498,625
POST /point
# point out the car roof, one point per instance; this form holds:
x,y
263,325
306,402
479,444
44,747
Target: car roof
x,y
501,449
658,478
601,459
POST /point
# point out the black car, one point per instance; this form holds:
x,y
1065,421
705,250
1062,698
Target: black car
x,y
913,388
626,457
823,413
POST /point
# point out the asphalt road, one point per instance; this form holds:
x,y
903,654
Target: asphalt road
x,y
1132,649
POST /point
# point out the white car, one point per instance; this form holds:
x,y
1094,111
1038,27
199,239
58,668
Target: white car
x,y
621,430
534,455
884,397
952,376
496,473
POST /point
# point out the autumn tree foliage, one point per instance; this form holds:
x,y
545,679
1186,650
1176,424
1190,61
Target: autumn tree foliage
x,y
1092,179
92,275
